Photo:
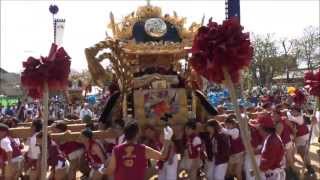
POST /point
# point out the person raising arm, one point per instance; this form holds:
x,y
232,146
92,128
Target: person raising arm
x,y
130,158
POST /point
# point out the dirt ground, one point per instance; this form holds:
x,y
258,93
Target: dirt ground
x,y
315,159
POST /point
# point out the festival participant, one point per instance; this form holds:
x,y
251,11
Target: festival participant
x,y
194,148
28,115
9,111
273,153
13,123
117,128
168,167
110,143
151,139
129,160
267,106
237,149
302,135
284,129
94,154
10,154
56,159
218,153
32,164
221,110
72,149
256,143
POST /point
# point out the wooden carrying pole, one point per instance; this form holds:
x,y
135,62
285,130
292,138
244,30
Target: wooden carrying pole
x,y
242,123
44,143
307,148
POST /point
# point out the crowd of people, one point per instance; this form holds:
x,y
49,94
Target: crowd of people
x,y
210,148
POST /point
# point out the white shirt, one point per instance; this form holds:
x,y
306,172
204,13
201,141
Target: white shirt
x,y
34,150
17,140
297,119
85,112
196,141
234,133
77,110
318,116
5,144
121,139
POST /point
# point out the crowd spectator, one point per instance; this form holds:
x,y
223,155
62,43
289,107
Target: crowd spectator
x,y
85,111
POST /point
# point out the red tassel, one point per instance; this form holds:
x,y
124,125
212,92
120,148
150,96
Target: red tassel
x,y
53,69
216,46
312,82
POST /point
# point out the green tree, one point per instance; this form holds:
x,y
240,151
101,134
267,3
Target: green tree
x,y
265,51
271,58
308,47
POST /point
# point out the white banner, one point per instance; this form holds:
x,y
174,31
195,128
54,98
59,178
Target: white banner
x,y
59,25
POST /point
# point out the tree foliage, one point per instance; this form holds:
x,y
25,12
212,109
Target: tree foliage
x,y
308,47
271,58
278,57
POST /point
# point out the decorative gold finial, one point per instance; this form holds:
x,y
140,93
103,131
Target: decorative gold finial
x,y
202,20
112,23
148,11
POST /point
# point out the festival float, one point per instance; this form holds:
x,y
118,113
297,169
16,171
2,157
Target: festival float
x,y
159,68
160,65
149,54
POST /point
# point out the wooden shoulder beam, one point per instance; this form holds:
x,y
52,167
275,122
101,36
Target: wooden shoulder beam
x,y
24,132
66,136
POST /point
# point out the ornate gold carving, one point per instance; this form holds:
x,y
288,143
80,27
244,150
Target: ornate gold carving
x,y
126,56
123,29
148,11
154,48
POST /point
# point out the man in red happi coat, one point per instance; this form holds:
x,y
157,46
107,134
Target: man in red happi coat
x,y
129,160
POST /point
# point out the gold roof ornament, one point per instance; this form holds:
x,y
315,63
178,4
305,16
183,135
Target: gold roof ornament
x,y
143,38
148,11
151,15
